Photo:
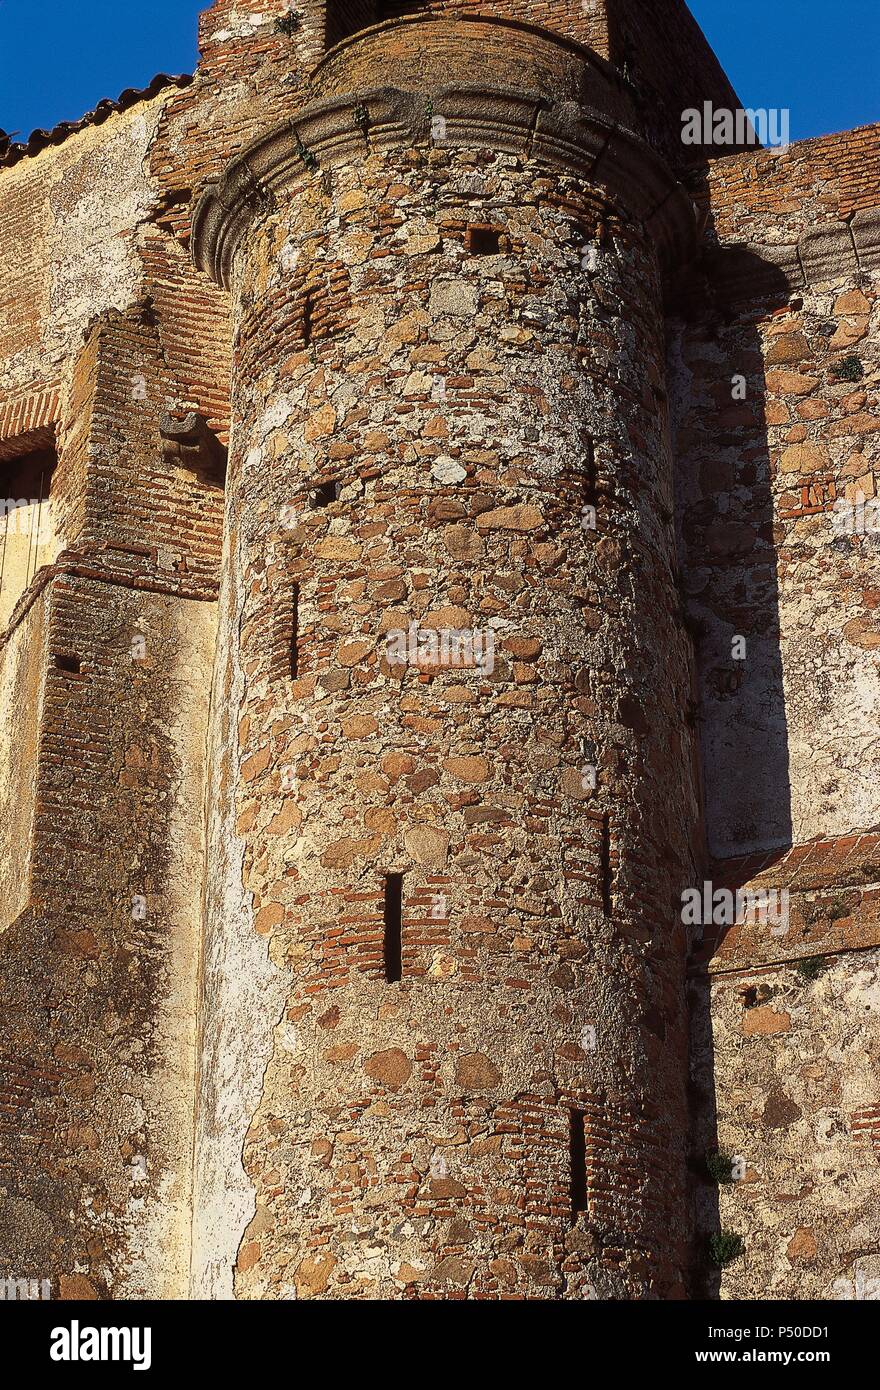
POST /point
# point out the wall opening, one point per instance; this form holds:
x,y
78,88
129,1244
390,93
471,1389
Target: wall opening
x,y
393,939
307,325
590,486
70,664
606,866
483,240
325,493
27,536
577,1144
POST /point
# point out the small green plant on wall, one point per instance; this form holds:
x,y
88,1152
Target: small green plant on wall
x,y
850,369
308,157
289,23
725,1247
720,1166
811,968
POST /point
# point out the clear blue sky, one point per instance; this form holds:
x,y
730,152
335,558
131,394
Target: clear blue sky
x,y
58,58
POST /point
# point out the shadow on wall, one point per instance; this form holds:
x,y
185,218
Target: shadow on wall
x,y
348,17
731,607
731,593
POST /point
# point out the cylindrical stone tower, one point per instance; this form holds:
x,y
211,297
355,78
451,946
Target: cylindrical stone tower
x,y
457,748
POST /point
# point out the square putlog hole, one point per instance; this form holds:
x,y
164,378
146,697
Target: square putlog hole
x,y
481,239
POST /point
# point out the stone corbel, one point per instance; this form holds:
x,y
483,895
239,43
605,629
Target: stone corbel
x,y
188,442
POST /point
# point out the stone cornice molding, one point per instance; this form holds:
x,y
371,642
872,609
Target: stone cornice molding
x,y
582,126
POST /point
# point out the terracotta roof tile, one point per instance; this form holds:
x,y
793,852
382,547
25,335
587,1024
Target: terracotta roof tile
x,y
12,152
